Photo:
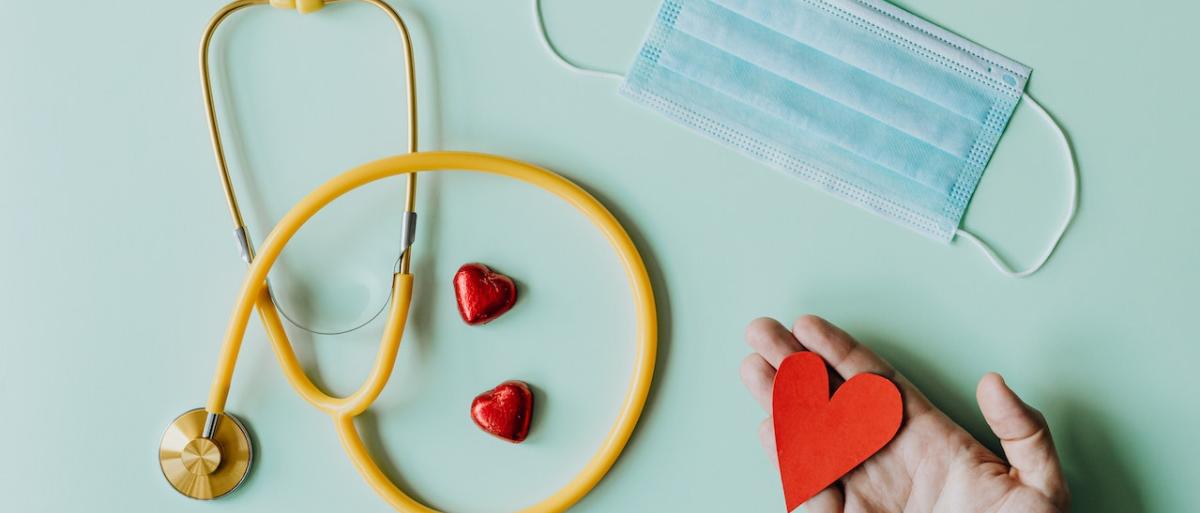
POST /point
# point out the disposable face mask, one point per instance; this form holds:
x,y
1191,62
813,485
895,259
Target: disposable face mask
x,y
857,97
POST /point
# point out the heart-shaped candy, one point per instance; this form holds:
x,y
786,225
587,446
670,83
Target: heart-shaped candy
x,y
504,411
482,293
820,439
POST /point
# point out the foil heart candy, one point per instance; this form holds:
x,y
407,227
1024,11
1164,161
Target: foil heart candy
x,y
504,411
482,293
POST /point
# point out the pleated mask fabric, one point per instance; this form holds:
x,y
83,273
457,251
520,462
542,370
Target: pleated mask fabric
x,y
857,97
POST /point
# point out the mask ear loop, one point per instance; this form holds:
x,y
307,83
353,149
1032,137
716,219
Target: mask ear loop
x,y
558,57
1073,204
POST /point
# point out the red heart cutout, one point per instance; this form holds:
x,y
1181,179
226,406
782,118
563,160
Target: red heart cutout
x,y
504,411
482,293
820,439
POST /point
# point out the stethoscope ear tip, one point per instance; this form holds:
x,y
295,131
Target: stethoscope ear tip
x,y
204,456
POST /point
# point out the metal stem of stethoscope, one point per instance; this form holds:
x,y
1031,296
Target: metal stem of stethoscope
x,y
246,247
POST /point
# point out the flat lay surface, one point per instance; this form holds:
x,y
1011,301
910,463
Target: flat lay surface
x,y
119,267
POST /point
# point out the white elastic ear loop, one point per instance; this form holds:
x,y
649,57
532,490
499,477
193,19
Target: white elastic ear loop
x,y
991,255
541,26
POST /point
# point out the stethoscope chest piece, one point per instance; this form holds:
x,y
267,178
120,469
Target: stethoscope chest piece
x,y
205,456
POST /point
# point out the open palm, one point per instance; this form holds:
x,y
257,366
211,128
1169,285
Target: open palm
x,y
933,464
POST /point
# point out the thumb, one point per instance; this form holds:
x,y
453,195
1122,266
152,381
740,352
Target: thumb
x,y
1025,437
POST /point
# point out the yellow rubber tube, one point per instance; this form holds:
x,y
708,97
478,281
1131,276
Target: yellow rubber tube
x,y
343,410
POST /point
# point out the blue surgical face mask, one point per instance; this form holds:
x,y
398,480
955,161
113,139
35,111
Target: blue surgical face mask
x,y
857,97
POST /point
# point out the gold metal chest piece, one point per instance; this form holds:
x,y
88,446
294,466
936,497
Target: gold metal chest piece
x,y
205,468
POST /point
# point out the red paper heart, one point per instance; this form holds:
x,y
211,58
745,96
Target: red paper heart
x,y
482,293
820,439
504,411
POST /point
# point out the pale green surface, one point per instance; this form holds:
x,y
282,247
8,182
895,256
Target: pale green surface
x,y
118,269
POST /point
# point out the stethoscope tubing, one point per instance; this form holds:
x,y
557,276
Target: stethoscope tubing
x,y
343,410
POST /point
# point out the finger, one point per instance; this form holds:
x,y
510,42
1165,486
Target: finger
x,y
830,500
758,376
766,435
1025,437
848,357
843,353
771,340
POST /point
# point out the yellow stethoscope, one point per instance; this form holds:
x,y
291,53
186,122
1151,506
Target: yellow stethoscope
x,y
206,452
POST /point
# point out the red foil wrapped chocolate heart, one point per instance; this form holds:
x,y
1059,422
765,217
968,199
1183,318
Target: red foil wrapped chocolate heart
x,y
482,293
504,411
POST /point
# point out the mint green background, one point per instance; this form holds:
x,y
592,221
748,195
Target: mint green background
x,y
118,270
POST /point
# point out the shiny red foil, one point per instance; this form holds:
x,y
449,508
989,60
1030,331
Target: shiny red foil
x,y
504,411
482,293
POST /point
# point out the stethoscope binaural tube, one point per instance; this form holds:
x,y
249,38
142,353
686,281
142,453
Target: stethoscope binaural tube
x,y
245,245
343,410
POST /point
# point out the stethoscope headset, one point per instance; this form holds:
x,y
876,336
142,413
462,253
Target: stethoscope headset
x,y
206,452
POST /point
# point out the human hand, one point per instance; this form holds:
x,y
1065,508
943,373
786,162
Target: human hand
x,y
932,465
